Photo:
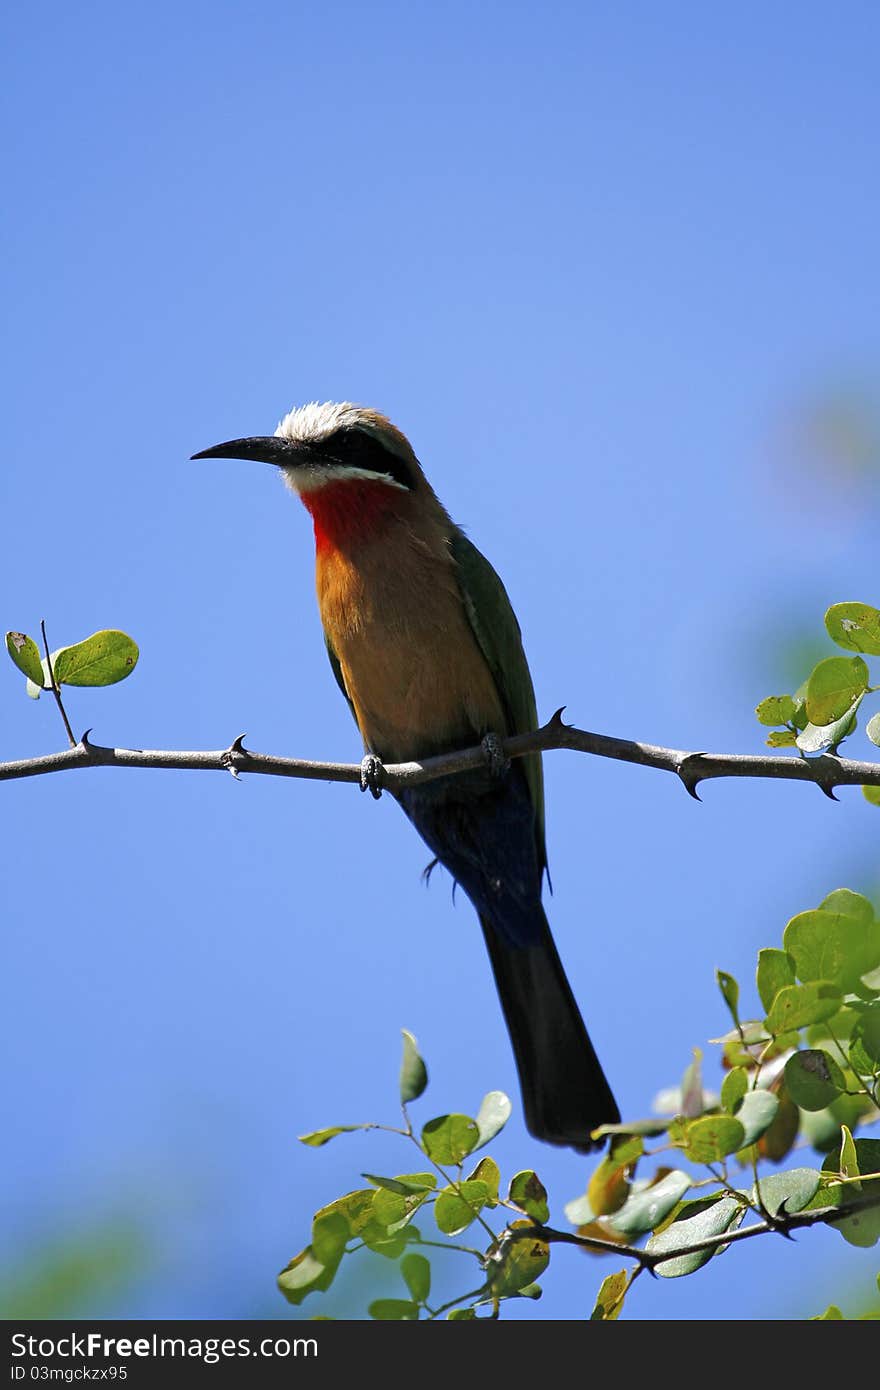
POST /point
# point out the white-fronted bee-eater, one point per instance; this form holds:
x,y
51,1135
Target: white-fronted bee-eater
x,y
427,651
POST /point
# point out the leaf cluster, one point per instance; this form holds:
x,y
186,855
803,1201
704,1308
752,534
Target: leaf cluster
x,y
824,709
670,1188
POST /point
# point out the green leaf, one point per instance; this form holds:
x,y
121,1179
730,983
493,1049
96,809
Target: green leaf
x,y
775,971
872,729
530,1291
390,1245
393,1310
813,1079
712,1218
797,1006
776,709
487,1172
855,626
733,1088
515,1264
609,1300
330,1232
833,687
756,1114
32,688
850,904
314,1268
417,1273
793,1190
413,1072
492,1116
450,1138
461,1315
102,659
609,1185
729,992
354,1207
644,1210
799,718
385,1224
855,1158
25,654
457,1208
871,795
323,1136
389,1212
866,1036
832,1314
782,738
713,1138
404,1185
303,1276
832,946
529,1194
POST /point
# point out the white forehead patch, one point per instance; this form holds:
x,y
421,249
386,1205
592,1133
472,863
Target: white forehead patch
x,y
318,420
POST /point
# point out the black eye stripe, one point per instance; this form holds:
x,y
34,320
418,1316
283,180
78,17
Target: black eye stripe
x,y
354,448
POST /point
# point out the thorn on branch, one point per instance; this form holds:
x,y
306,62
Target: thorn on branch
x,y
824,772
85,741
235,750
690,777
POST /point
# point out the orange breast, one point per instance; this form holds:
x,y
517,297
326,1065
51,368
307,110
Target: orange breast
x,y
412,667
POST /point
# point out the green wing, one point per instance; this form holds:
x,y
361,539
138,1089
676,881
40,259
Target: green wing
x,y
497,632
337,671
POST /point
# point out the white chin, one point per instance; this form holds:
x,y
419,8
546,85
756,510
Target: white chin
x,y
312,479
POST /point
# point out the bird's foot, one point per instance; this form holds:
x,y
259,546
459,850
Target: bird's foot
x,y
372,775
493,752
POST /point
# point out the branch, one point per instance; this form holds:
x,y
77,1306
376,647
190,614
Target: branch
x,y
691,768
781,1224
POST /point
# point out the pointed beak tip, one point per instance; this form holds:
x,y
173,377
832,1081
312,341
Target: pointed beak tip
x,y
262,449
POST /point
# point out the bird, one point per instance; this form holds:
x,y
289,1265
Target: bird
x,y
426,649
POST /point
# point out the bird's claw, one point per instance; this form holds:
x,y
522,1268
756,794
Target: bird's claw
x,y
493,752
372,775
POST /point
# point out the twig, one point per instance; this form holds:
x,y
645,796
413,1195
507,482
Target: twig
x,y
56,689
691,768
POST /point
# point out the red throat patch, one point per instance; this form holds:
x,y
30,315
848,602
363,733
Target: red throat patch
x,y
349,511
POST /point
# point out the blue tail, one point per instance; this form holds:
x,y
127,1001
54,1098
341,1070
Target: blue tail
x,y
481,828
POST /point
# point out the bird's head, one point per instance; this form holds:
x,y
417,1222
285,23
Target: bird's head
x,y
322,446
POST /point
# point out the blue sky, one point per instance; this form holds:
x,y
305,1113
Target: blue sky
x,y
597,262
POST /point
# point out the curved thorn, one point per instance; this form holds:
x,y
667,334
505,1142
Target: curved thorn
x,y
85,740
690,778
236,749
556,721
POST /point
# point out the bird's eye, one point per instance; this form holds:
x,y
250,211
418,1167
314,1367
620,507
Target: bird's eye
x,y
360,448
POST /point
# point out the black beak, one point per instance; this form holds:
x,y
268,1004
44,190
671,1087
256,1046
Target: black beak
x,y
261,448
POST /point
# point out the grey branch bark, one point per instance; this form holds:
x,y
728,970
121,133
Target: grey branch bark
x,y
782,1224
826,771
